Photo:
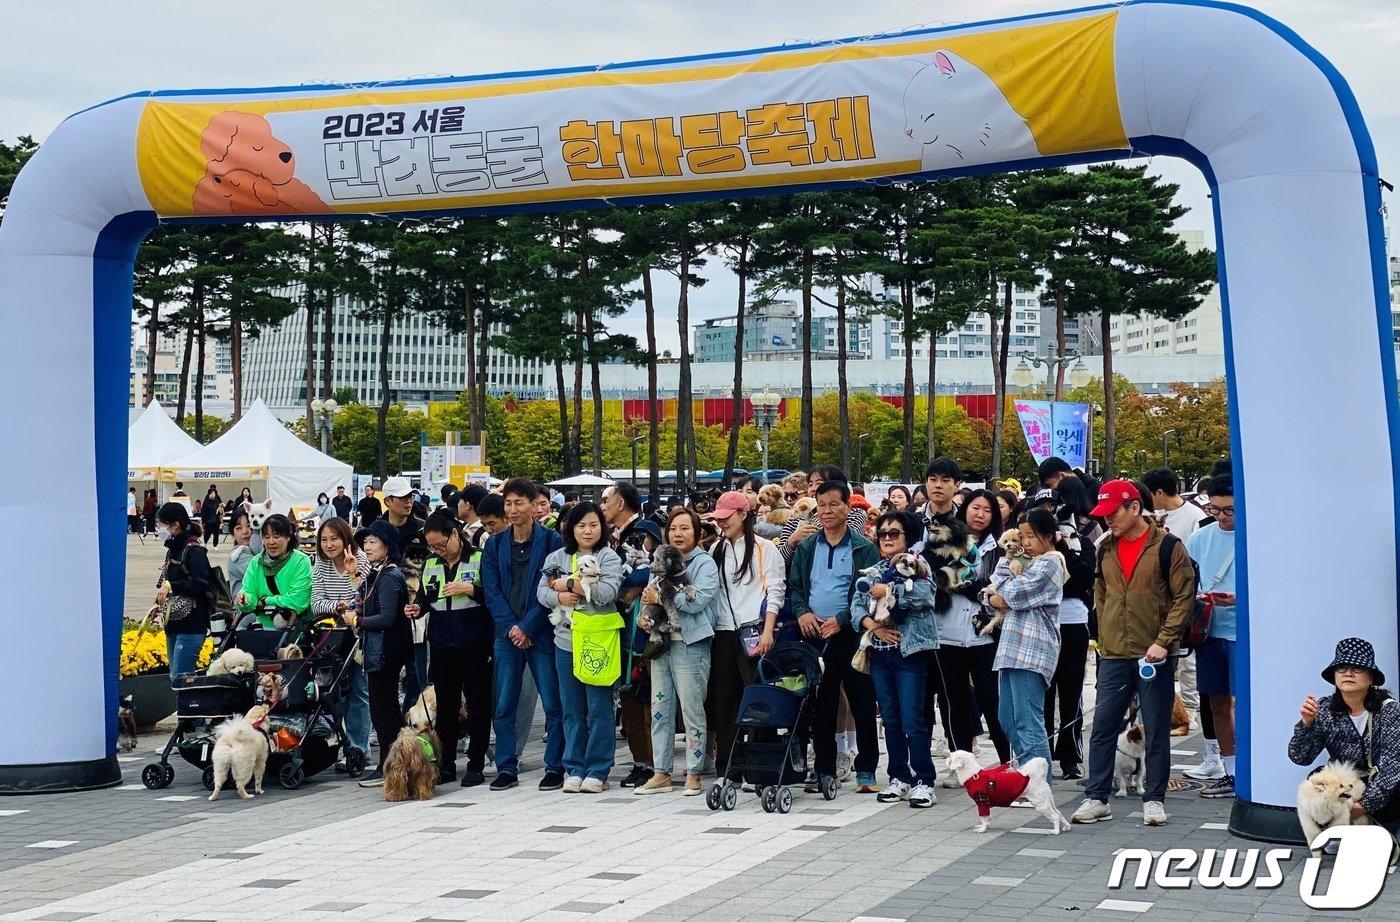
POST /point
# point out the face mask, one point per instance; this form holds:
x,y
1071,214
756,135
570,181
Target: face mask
x,y
163,532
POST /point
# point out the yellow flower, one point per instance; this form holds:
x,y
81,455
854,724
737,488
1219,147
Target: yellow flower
x,y
142,652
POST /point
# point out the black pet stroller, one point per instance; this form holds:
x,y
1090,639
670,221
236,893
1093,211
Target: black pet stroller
x,y
774,725
310,713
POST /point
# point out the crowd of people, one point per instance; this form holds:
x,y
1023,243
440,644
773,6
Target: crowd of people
x,y
950,613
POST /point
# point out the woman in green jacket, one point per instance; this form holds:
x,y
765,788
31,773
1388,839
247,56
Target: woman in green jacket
x,y
278,578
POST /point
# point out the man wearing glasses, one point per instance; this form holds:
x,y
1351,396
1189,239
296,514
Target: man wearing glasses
x,y
1213,549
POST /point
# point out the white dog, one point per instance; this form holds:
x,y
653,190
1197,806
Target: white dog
x,y
233,662
240,751
1325,798
999,786
588,573
1127,761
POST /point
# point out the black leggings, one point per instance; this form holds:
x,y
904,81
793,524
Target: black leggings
x,y
211,532
384,713
1068,685
455,671
962,673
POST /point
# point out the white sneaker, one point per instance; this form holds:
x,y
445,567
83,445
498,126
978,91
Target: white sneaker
x,y
922,796
976,745
897,790
1092,811
940,748
1210,769
573,784
845,762
950,781
590,786
1154,814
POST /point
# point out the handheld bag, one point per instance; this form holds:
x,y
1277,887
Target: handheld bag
x,y
597,648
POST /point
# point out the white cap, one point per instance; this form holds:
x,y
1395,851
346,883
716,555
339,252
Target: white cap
x,y
397,486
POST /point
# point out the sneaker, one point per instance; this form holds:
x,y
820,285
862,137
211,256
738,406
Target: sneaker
x,y
340,767
1153,813
656,784
1225,787
748,787
573,784
865,783
552,781
471,779
638,776
845,761
1212,768
940,748
504,782
1071,772
812,785
592,786
692,785
897,790
445,777
1093,811
976,745
950,782
374,779
922,796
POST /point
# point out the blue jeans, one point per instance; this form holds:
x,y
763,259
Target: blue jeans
x,y
589,749
357,709
681,674
182,653
511,662
1021,712
1118,682
900,686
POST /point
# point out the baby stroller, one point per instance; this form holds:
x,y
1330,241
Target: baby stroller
x,y
770,747
208,700
306,724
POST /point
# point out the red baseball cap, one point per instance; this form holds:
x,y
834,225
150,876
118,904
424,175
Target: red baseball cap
x,y
1114,494
728,504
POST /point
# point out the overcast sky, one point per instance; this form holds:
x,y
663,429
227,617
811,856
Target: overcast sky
x,y
64,55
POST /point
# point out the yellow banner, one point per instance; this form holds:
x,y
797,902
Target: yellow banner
x,y
890,107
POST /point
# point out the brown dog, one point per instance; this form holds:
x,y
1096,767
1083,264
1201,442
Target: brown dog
x,y
411,769
249,171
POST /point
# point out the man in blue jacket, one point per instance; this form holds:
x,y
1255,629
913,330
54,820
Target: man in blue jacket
x,y
510,574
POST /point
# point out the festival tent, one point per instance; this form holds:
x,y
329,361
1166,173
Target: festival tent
x,y
153,441
259,449
583,480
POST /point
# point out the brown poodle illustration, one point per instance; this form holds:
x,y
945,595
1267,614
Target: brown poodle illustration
x,y
250,171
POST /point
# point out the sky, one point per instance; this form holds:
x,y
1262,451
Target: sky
x,y
65,55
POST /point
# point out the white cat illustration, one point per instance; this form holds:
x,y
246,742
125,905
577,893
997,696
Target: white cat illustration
x,y
959,116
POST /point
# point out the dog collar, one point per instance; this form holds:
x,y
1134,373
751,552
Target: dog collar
x,y
427,746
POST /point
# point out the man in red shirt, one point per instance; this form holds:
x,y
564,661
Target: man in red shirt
x,y
1144,590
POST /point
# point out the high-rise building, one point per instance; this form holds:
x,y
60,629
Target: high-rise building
x,y
426,363
772,333
218,371
1201,332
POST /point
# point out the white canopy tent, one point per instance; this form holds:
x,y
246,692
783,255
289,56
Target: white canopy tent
x,y
259,449
582,480
153,441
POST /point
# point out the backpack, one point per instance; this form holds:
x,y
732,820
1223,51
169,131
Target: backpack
x,y
1198,627
218,595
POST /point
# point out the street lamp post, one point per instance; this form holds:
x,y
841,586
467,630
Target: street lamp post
x,y
1023,377
765,415
1169,432
640,438
323,411
400,452
860,455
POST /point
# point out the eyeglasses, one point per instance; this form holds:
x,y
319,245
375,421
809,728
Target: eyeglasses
x,y
1350,670
440,546
889,533
789,496
1227,512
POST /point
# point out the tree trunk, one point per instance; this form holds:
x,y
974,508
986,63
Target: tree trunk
x,y
576,461
483,376
199,368
1060,339
731,455
328,326
1110,434
469,313
152,344
906,295
843,412
930,423
311,364
185,371
382,416
653,410
235,352
563,412
685,407
804,435
998,384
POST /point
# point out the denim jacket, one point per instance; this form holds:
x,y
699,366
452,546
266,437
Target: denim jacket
x,y
912,609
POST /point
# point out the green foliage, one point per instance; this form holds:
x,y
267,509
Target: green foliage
x,y
12,159
211,427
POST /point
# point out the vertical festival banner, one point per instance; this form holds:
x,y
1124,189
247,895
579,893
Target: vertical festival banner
x,y
1037,424
1070,428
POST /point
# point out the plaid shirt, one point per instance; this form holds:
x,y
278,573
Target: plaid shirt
x,y
1030,635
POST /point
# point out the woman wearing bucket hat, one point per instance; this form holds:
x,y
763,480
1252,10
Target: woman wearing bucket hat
x,y
1360,724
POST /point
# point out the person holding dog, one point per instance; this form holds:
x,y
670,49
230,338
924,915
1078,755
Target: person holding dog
x,y
1358,723
183,595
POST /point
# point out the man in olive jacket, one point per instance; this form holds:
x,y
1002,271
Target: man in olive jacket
x,y
821,581
1143,609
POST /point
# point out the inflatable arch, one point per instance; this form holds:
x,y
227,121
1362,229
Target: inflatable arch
x,y
1270,123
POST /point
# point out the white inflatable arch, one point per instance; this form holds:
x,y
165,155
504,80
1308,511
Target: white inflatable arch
x,y
1268,120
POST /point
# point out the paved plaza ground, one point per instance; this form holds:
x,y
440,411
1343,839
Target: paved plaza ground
x,y
332,851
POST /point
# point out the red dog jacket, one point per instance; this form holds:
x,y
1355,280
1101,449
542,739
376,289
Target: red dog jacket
x,y
995,787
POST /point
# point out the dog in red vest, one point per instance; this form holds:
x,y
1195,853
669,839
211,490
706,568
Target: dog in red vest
x,y
999,786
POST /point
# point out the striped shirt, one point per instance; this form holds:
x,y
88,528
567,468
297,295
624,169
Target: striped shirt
x,y
329,585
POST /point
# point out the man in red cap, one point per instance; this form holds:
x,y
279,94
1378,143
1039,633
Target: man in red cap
x,y
1144,592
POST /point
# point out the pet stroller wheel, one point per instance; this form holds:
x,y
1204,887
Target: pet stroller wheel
x,y
784,800
730,796
209,778
712,796
769,799
829,787
354,762
291,776
156,776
